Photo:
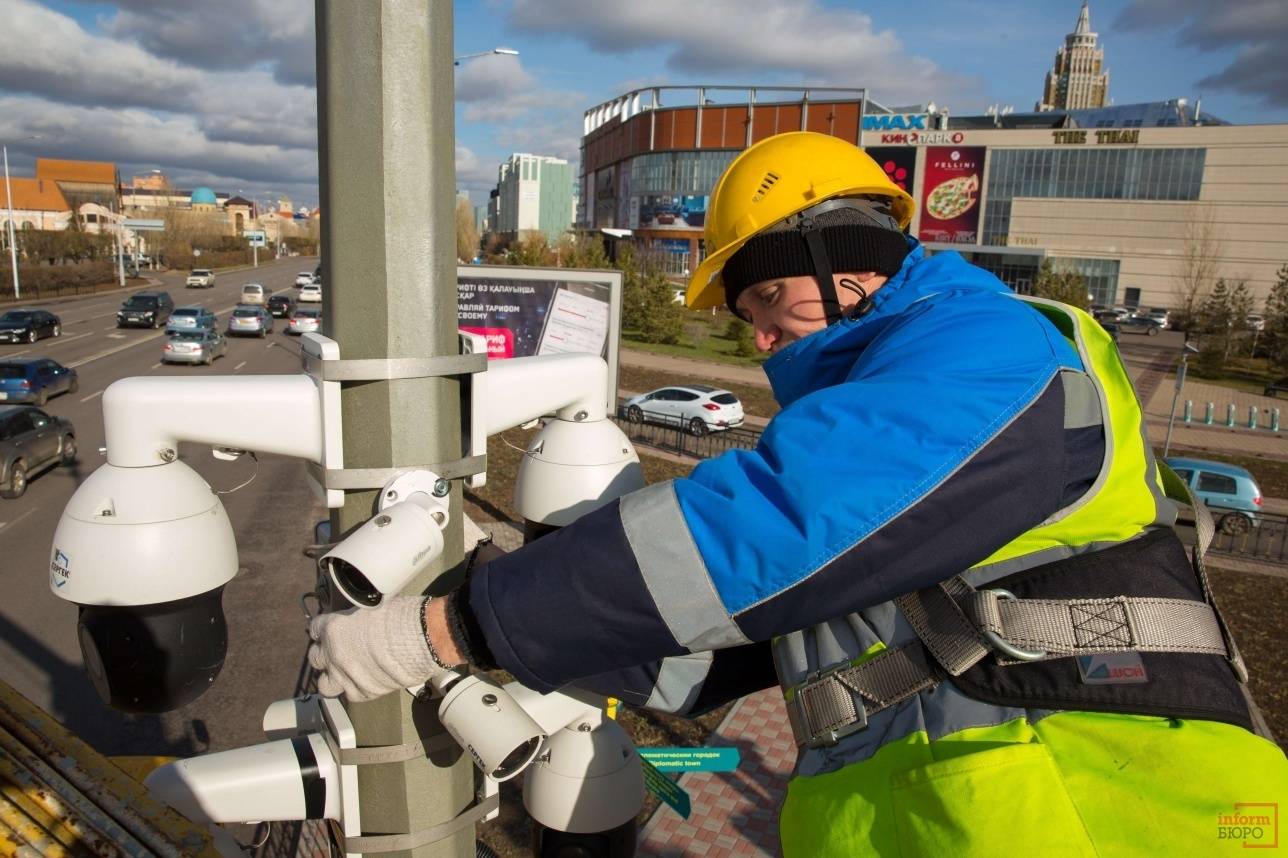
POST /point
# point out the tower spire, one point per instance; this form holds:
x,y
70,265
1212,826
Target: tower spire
x,y
1084,21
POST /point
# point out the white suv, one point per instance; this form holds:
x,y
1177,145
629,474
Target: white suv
x,y
200,278
304,278
697,408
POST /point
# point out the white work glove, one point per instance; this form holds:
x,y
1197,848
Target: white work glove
x,y
366,653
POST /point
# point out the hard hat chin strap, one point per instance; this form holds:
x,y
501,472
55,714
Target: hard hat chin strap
x,y
813,236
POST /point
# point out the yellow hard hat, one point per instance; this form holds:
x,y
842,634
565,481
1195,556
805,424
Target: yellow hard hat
x,y
775,179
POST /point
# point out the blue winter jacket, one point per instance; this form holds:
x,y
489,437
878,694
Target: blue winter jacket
x,y
912,443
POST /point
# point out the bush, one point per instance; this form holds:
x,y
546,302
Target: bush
x,y
51,280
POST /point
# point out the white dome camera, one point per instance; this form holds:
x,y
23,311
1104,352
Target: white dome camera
x,y
388,551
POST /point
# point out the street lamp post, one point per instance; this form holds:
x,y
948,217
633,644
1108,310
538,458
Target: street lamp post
x,y
509,52
1186,351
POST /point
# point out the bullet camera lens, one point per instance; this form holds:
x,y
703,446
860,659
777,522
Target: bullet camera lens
x,y
355,586
517,759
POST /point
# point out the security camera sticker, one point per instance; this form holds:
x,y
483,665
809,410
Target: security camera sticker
x,y
59,568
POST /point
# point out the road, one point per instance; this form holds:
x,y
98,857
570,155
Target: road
x,y
272,518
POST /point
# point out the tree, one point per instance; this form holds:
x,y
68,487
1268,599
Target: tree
x,y
1064,285
532,248
1240,307
467,234
1276,332
1196,268
1215,316
647,309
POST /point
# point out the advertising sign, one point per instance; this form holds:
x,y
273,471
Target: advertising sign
x,y
950,194
669,212
899,163
896,122
543,311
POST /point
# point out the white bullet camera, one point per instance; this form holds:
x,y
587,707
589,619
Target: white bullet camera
x,y
388,551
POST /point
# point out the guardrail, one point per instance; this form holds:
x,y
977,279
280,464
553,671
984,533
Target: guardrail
x,y
1267,541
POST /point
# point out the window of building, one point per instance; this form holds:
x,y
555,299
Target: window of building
x,y
1100,276
1102,174
677,173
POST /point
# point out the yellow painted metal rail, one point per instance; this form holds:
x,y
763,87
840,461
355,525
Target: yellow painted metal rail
x,y
62,799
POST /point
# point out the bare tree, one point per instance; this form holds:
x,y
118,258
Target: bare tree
x,y
1061,284
467,234
1196,269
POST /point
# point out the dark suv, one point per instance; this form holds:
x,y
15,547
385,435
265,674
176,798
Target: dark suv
x,y
145,310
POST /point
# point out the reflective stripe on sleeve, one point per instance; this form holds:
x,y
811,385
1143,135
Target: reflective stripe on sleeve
x,y
674,571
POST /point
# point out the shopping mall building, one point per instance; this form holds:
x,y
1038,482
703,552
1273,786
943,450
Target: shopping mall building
x,y
1123,195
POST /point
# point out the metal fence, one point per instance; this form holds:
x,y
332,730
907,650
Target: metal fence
x,y
1267,541
673,435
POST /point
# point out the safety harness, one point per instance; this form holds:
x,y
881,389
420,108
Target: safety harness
x,y
1034,642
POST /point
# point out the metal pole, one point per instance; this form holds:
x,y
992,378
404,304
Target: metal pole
x,y
1171,418
13,247
386,148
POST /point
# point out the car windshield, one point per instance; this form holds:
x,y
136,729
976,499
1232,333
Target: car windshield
x,y
193,337
17,316
724,398
252,288
12,370
137,303
187,311
246,312
199,272
308,314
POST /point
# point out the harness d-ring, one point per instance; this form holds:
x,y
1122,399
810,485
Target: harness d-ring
x,y
1001,644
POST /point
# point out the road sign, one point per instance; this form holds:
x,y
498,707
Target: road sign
x,y
256,237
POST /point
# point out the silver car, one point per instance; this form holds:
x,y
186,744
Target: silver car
x,y
194,347
304,321
250,321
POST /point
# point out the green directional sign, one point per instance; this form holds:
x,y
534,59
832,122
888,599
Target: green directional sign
x,y
692,759
666,789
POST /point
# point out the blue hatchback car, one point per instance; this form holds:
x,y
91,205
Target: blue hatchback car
x,y
34,380
1230,492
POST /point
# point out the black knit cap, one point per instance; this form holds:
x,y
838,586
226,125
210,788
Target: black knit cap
x,y
859,236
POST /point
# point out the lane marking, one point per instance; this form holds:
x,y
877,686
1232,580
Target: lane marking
x,y
55,341
239,366
116,336
93,395
155,365
4,524
112,328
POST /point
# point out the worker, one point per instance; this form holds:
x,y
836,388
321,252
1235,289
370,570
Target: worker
x,y
952,548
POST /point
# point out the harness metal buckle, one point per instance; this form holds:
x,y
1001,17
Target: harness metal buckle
x,y
1004,646
830,736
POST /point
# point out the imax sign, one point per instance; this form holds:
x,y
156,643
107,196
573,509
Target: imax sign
x,y
896,122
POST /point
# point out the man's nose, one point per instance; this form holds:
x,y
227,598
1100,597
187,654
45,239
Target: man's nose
x,y
766,337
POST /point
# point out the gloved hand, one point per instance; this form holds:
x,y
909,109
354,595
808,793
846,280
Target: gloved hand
x,y
366,653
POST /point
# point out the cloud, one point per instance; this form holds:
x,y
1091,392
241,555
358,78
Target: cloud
x,y
229,34
796,40
1255,29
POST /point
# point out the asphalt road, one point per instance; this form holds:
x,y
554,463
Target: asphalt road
x,y
272,518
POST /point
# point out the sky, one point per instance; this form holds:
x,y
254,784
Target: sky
x,y
222,93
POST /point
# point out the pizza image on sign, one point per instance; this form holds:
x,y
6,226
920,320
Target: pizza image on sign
x,y
953,198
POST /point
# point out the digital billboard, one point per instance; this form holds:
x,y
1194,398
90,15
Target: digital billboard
x,y
950,194
664,211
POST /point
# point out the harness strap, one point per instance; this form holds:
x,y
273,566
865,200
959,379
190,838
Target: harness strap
x,y
961,626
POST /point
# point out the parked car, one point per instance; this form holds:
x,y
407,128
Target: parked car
x,y
200,278
146,310
1255,322
30,442
304,278
305,320
202,346
1160,315
249,320
191,319
35,380
253,293
1230,492
696,407
281,306
1139,325
27,326
1112,329
1275,388
311,293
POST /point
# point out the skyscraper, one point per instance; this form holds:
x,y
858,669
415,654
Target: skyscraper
x,y
1077,80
